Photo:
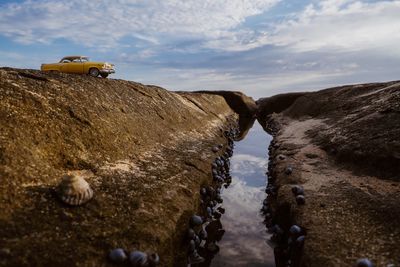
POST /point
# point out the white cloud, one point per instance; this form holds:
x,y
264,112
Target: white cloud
x,y
342,25
247,164
104,23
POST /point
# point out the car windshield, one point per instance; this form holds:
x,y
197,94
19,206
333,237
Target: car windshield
x,y
85,59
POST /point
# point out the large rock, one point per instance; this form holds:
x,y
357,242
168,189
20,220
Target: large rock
x,y
344,149
145,152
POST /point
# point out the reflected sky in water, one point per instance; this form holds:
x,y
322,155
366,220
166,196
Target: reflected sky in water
x,y
244,241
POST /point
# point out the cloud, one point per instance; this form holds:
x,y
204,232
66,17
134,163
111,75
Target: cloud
x,y
245,232
342,25
105,23
244,164
261,47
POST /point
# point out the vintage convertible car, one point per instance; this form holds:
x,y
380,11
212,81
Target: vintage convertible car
x,y
80,64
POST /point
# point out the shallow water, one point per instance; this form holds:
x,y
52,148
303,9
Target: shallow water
x,y
244,241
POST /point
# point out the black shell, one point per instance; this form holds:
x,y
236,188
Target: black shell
x,y
196,220
364,263
138,258
301,200
118,255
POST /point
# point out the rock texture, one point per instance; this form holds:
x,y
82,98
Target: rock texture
x,y
343,145
144,151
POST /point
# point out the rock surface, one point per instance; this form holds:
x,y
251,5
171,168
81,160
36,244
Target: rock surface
x,y
144,151
344,146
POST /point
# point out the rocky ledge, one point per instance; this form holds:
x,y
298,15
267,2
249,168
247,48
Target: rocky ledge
x,y
145,152
339,149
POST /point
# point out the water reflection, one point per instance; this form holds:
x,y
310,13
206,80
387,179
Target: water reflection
x,y
243,243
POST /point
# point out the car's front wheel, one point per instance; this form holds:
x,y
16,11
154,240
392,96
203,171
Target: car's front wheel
x,y
104,75
94,72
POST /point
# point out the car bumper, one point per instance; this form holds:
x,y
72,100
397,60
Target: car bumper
x,y
108,71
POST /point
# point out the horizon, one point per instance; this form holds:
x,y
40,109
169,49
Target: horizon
x,y
261,48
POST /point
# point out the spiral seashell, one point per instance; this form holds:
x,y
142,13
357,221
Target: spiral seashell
x,y
138,259
74,190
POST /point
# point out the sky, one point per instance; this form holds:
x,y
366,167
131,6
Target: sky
x,y
260,47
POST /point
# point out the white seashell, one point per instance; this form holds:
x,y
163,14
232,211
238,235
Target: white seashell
x,y
74,190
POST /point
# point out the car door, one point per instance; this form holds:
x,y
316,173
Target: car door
x,y
64,65
76,66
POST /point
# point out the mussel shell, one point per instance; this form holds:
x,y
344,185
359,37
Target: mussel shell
x,y
138,259
74,190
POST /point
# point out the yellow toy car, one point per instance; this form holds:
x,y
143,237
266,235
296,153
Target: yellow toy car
x,y
81,65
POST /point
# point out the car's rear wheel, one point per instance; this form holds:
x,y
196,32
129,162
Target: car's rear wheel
x,y
94,72
104,75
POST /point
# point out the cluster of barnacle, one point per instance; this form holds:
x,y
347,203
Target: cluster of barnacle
x,y
205,231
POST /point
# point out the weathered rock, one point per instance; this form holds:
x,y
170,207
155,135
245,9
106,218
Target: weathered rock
x,y
149,149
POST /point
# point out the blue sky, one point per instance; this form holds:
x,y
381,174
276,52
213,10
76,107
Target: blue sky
x,y
261,47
